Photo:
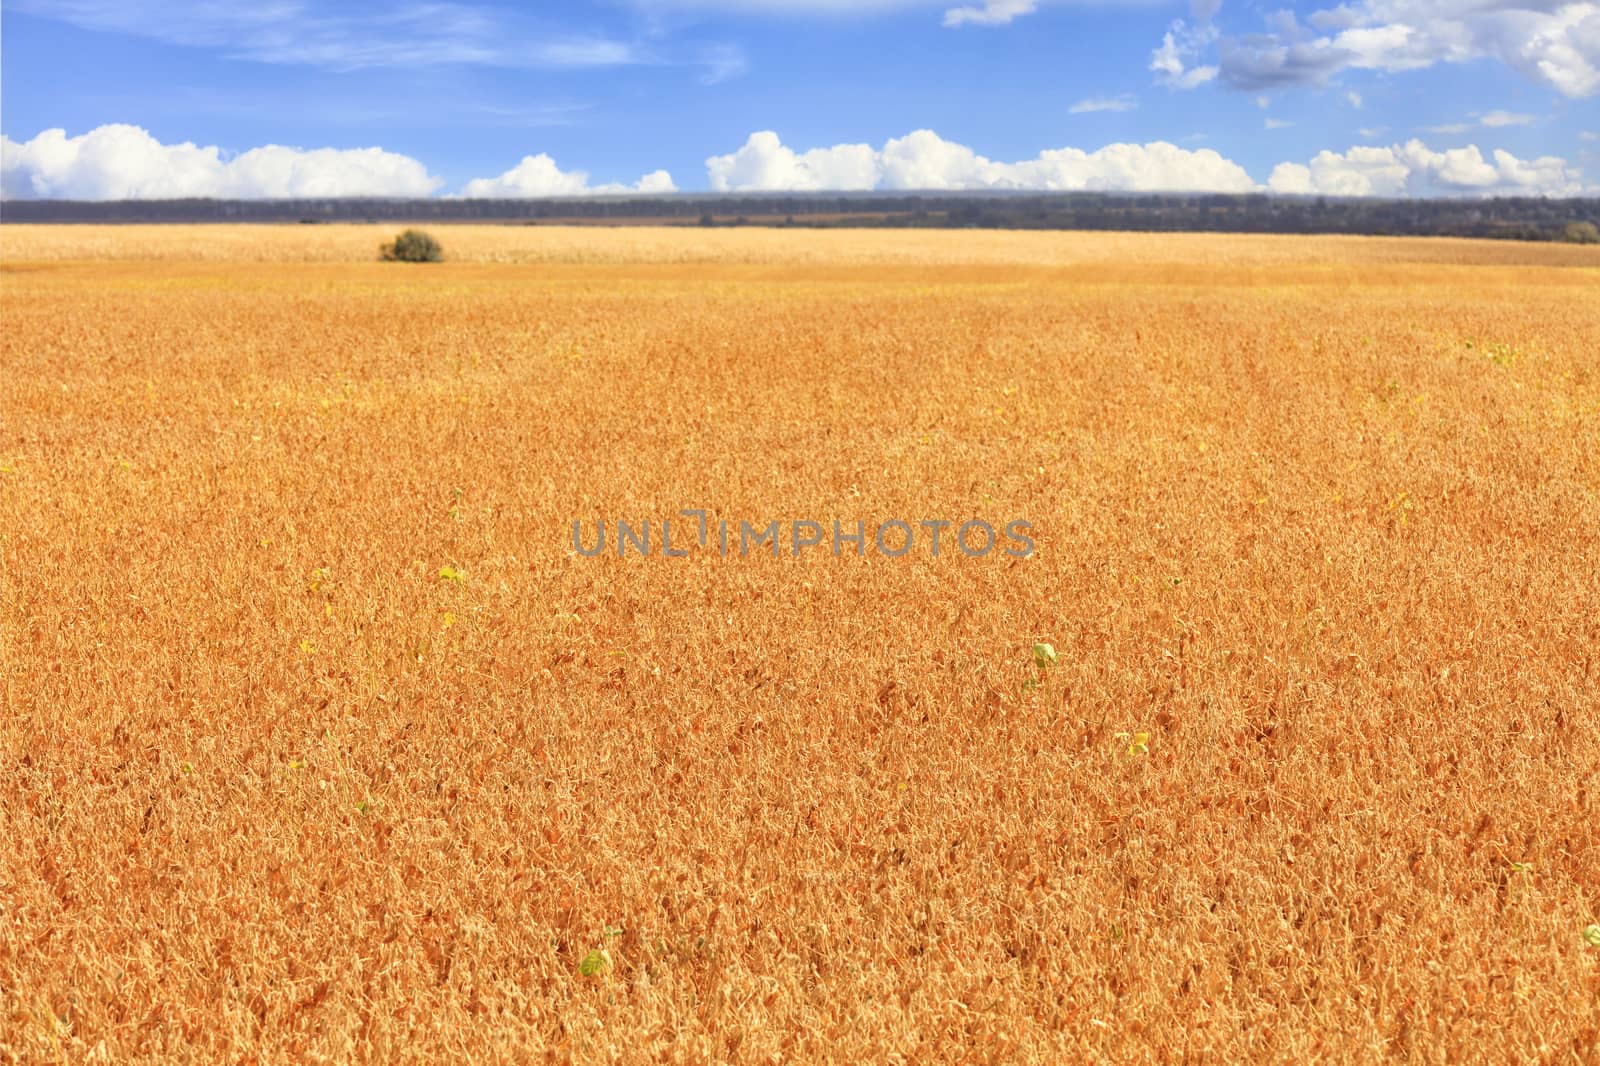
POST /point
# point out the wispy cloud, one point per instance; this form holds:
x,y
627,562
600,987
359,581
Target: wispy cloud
x,y
532,115
990,13
1277,124
340,37
1125,102
1496,119
721,62
442,104
1490,120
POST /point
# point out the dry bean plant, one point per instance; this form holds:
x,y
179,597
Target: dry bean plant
x,y
319,742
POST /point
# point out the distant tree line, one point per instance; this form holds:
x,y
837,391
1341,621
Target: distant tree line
x,y
1520,218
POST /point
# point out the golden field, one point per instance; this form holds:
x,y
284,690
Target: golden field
x,y
319,743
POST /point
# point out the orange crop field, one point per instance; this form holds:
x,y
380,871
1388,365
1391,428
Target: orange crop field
x,y
1266,726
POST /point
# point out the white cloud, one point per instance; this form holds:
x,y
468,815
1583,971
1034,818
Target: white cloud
x,y
1589,135
655,182
538,175
1194,77
1173,61
1372,133
1414,169
1353,98
924,160
1125,102
117,162
766,163
992,13
126,162
1492,120
1553,42
1497,119
1277,124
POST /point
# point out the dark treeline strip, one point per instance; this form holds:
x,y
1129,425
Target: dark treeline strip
x,y
1526,218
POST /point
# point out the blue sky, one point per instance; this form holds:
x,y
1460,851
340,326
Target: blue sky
x,y
1370,97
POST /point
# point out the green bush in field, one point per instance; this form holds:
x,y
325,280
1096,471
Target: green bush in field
x,y
412,246
1581,233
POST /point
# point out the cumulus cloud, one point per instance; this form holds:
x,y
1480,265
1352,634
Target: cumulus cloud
x,y
1125,102
126,162
924,160
765,162
1553,42
538,175
1414,169
120,162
